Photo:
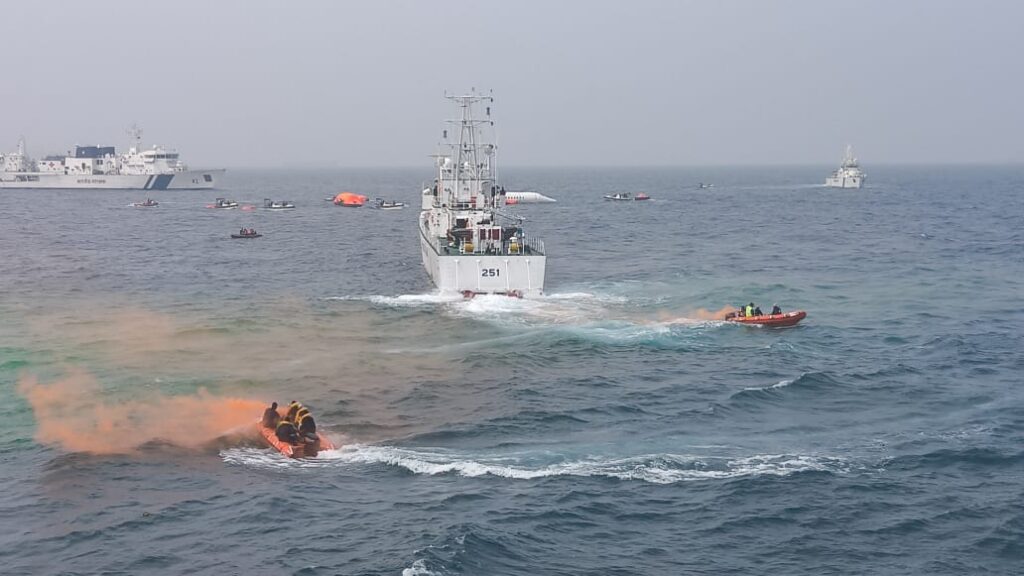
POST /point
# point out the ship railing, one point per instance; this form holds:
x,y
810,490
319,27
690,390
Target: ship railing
x,y
527,246
519,247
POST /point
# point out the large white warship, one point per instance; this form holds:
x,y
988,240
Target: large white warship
x,y
848,175
470,246
101,167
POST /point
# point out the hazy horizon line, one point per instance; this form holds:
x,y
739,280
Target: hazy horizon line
x,y
816,165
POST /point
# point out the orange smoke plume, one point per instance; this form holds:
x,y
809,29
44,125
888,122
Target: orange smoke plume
x,y
71,414
698,314
702,314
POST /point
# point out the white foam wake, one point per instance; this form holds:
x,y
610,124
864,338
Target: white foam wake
x,y
418,568
652,468
779,384
606,317
403,300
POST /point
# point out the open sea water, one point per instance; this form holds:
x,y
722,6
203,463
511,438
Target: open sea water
x,y
608,428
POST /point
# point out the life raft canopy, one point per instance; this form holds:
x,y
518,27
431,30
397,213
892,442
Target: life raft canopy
x,y
350,198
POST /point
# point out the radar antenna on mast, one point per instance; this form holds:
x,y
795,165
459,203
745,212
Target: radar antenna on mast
x,y
136,134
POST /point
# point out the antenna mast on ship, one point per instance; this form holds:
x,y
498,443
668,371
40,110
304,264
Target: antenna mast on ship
x,y
468,165
136,133
849,160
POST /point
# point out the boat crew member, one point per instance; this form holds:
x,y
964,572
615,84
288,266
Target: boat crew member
x,y
307,425
749,310
303,411
285,432
757,311
293,408
271,417
776,309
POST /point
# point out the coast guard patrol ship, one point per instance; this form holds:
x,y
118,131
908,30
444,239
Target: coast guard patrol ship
x,y
101,167
469,244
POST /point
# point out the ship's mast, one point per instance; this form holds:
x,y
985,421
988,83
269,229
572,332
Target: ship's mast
x,y
849,160
136,133
468,167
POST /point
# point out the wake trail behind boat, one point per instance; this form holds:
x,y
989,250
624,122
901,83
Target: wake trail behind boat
x,y
665,468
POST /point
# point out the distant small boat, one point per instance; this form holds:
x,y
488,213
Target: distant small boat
x,y
626,196
247,233
771,320
149,203
703,186
222,203
619,196
278,204
388,204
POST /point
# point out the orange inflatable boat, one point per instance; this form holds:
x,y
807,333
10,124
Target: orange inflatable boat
x,y
772,320
304,448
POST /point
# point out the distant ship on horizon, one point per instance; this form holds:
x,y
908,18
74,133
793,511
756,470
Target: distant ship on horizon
x,y
100,167
849,173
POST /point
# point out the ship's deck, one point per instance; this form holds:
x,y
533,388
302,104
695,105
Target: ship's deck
x,y
528,247
525,246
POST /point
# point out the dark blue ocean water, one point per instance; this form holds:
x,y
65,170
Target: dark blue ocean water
x,y
606,428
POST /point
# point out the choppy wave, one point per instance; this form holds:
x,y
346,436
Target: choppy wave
x,y
808,381
650,468
419,568
777,385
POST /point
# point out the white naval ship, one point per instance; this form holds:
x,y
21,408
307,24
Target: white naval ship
x,y
101,167
469,245
848,175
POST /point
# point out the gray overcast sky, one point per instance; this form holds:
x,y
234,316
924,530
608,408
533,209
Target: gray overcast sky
x,y
576,83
